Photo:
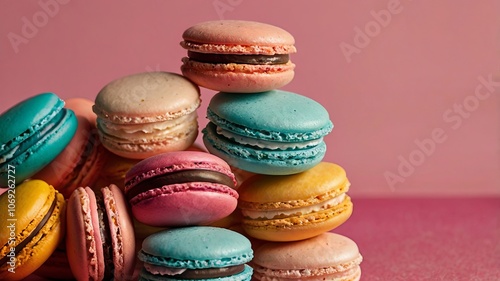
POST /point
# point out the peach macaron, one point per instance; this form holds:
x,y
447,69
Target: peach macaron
x,y
328,256
238,56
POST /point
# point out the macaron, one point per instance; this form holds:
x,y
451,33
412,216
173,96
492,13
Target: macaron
x,y
238,56
328,256
275,132
181,188
32,222
114,169
79,164
100,241
34,132
295,207
148,113
196,253
82,107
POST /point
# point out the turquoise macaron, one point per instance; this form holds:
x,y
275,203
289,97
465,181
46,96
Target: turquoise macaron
x,y
34,132
274,133
202,253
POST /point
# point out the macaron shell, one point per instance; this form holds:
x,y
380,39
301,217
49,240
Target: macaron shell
x,y
197,247
186,204
82,107
326,254
122,232
324,178
147,97
262,161
273,115
83,240
30,210
299,227
173,162
237,33
238,78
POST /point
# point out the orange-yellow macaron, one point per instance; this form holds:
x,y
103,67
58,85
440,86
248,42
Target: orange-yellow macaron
x,y
31,219
295,207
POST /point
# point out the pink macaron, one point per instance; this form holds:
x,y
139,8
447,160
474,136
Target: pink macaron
x,y
181,188
82,107
328,256
238,56
100,241
80,162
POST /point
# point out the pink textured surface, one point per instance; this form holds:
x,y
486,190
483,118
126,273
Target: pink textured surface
x,y
392,90
427,239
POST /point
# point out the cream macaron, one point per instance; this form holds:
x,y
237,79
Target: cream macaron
x,y
144,114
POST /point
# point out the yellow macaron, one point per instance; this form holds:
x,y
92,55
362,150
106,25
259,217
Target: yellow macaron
x,y
295,207
32,215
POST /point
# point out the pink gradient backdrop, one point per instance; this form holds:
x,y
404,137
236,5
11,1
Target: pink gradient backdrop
x,y
395,90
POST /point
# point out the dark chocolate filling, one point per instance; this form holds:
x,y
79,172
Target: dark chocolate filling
x,y
180,177
37,229
207,273
107,247
240,59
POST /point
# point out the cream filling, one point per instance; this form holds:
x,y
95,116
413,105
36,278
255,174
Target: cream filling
x,y
110,127
271,214
268,144
8,155
162,270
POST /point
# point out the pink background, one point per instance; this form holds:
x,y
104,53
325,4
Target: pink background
x,y
403,85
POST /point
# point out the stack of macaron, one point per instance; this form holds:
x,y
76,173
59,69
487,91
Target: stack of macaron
x,y
125,193
277,135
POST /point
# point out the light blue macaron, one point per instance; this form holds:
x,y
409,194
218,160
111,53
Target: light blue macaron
x,y
33,133
275,132
199,250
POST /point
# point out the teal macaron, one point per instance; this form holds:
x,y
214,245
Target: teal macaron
x,y
275,132
33,133
202,253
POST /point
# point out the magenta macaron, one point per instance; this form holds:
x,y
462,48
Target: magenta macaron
x,y
181,188
238,56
